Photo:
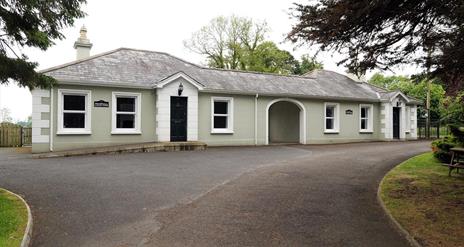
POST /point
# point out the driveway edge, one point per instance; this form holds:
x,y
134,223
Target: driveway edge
x,y
393,221
28,231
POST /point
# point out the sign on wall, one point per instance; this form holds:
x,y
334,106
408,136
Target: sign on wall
x,y
101,103
349,112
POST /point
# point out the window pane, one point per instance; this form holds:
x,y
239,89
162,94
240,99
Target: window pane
x,y
363,124
220,107
125,104
220,122
329,124
125,121
73,120
74,102
329,111
364,111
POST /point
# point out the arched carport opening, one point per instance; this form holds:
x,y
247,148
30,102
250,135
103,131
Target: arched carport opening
x,y
285,121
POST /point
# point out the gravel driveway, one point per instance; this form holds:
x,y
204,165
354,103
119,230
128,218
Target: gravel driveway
x,y
244,196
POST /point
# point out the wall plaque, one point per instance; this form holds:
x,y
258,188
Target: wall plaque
x,y
101,103
349,112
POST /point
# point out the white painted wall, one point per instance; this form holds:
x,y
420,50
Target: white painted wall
x,y
386,115
387,120
163,110
37,109
413,116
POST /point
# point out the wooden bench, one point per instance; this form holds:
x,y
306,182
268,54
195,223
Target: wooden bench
x,y
455,163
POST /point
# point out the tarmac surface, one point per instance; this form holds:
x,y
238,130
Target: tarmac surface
x,y
323,195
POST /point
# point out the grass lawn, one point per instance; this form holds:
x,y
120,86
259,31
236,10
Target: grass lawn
x,y
425,201
13,219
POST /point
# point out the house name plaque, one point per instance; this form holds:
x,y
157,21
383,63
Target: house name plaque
x,y
101,103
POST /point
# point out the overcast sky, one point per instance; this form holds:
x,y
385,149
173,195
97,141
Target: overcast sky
x,y
158,26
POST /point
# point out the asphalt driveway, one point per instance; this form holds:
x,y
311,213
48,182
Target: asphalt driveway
x,y
248,196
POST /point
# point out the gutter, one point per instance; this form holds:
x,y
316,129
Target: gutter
x,y
301,96
99,84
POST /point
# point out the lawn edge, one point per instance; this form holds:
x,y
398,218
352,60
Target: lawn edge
x,y
413,242
25,242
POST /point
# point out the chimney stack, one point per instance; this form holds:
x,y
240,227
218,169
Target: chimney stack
x,y
82,45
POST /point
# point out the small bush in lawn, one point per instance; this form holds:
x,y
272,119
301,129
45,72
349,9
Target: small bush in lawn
x,y
441,148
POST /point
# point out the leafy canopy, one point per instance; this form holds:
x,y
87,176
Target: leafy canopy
x,y
416,88
382,34
454,109
240,43
31,23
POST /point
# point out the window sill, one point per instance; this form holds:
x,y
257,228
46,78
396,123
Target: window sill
x,y
366,131
126,132
222,131
331,132
74,132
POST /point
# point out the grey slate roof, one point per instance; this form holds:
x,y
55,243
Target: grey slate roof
x,y
140,68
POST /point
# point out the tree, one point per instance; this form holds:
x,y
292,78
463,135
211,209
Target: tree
x,y
240,44
225,41
307,65
31,23
454,109
267,57
384,34
5,115
414,87
25,123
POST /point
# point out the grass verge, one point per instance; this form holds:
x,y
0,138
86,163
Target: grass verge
x,y
425,201
13,219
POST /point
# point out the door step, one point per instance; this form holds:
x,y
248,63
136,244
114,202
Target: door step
x,y
129,148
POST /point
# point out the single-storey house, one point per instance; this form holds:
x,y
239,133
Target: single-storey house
x,y
134,96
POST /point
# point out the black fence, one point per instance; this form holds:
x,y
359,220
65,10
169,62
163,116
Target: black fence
x,y
437,129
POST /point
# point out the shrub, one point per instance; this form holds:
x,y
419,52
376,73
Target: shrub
x,y
441,148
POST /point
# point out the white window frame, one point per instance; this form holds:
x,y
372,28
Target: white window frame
x,y
229,115
370,118
138,115
87,130
336,117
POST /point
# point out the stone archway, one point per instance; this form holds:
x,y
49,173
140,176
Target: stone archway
x,y
285,121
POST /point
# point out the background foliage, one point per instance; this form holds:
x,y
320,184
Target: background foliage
x,y
417,88
240,44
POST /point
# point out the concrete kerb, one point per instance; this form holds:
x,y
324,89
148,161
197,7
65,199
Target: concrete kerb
x,y
28,231
413,242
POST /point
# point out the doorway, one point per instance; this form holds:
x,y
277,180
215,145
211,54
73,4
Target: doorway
x,y
396,122
178,119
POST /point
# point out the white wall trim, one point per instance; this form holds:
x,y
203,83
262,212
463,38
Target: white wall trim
x,y
138,113
178,75
400,94
387,118
302,118
87,130
163,110
229,115
256,119
51,119
407,119
37,109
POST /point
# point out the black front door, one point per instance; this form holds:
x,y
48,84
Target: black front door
x,y
396,122
178,119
